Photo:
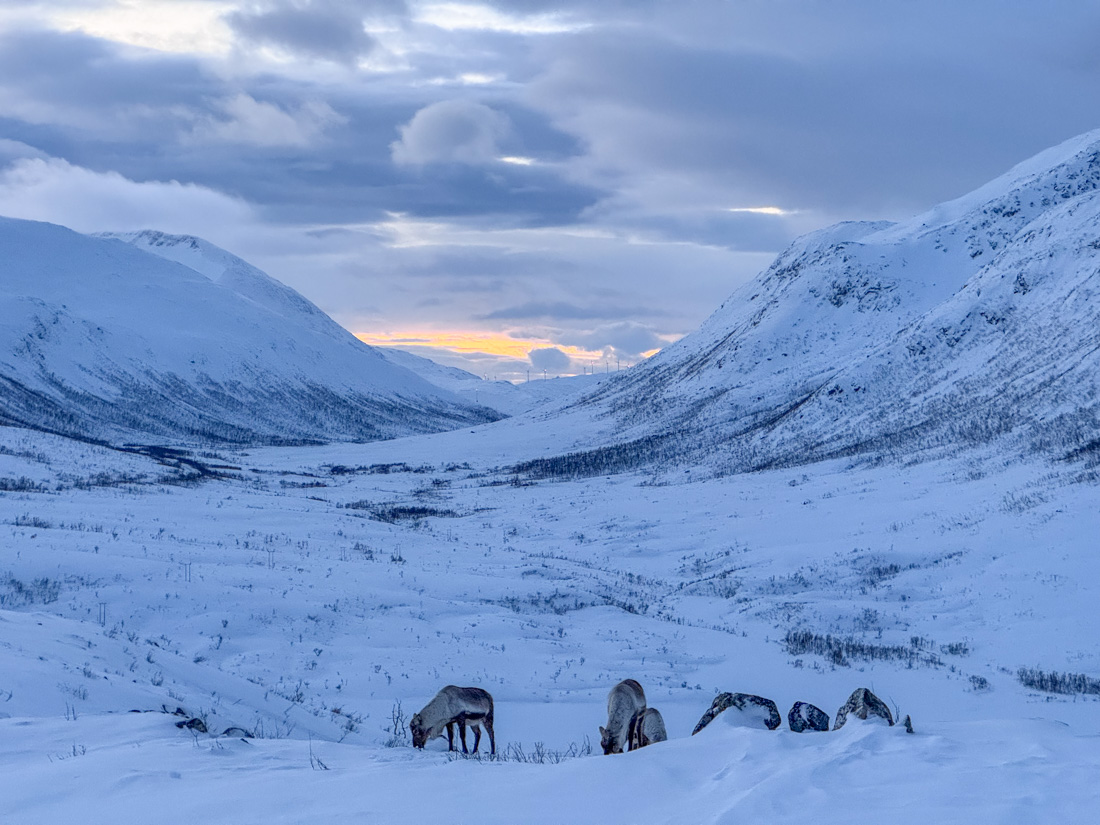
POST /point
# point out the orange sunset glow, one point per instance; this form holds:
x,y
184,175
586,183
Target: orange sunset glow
x,y
480,342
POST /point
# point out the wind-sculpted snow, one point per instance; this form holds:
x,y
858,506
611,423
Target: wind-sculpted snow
x,y
105,341
973,320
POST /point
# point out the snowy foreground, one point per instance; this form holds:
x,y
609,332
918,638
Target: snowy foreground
x,y
306,592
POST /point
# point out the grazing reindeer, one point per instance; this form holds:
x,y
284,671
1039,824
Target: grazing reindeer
x,y
624,700
451,706
647,727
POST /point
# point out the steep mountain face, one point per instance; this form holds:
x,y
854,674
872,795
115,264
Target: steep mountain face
x,y
1015,352
973,320
101,339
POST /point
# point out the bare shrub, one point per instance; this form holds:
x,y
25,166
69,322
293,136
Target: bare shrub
x,y
1052,682
399,728
538,755
14,593
840,650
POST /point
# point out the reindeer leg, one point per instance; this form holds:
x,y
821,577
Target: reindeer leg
x,y
451,737
462,732
477,737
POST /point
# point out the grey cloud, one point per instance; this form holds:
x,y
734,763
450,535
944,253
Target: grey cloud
x,y
550,359
67,73
848,122
626,338
323,29
561,310
165,117
16,150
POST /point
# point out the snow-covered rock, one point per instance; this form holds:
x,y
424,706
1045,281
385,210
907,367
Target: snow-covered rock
x,y
863,705
806,717
743,709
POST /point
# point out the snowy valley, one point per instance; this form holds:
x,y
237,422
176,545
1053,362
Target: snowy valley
x,y
876,466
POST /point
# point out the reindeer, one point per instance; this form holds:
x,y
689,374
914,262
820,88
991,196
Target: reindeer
x,y
646,727
451,706
624,700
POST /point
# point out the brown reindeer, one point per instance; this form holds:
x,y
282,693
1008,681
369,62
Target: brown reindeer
x,y
646,727
624,700
455,705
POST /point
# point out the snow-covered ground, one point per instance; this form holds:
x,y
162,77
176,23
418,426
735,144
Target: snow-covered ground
x,y
307,591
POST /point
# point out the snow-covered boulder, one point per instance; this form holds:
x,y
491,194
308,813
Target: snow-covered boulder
x,y
863,704
748,711
806,717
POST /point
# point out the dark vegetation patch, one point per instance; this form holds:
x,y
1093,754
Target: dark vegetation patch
x,y
27,520
1088,453
14,593
617,458
378,469
876,574
843,650
1069,684
393,513
20,485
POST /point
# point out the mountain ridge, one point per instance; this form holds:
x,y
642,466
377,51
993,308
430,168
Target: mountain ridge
x,y
104,340
759,384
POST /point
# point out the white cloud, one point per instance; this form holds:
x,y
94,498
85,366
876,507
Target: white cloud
x,y
761,210
256,123
56,191
181,26
451,131
478,17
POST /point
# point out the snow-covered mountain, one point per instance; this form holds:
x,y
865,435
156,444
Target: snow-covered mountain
x,y
237,274
973,320
101,339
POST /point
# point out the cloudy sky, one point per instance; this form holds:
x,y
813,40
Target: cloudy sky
x,y
528,184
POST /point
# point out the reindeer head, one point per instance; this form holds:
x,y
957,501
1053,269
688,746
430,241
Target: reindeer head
x,y
608,743
419,732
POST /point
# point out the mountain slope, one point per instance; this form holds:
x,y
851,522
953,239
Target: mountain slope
x,y
237,274
864,336
103,340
